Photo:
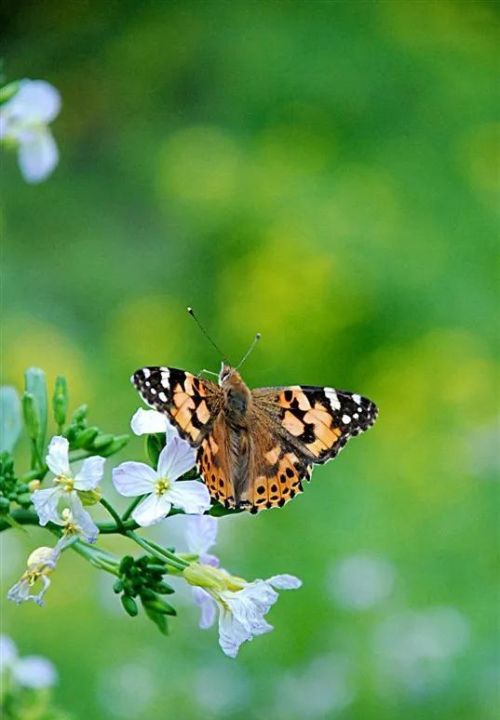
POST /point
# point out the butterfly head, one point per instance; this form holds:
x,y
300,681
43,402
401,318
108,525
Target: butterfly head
x,y
228,375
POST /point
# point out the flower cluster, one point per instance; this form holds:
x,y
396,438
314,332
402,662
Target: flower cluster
x,y
157,489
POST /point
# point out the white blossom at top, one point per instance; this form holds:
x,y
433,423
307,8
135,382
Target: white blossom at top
x,y
66,486
161,486
31,671
24,123
40,565
242,605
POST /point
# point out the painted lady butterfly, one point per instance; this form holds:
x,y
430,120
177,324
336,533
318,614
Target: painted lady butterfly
x,y
255,446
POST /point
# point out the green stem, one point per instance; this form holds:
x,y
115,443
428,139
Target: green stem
x,y
96,558
128,512
164,555
113,513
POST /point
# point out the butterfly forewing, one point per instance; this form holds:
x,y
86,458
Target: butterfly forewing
x,y
318,421
191,403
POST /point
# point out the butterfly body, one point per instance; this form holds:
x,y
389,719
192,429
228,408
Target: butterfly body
x,y
254,447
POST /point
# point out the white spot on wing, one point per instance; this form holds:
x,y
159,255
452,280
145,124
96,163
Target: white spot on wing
x,y
146,372
357,398
346,419
165,378
162,397
332,397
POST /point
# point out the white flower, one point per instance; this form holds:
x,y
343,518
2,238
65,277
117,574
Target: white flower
x,y
242,605
31,671
77,524
66,488
23,122
161,487
40,564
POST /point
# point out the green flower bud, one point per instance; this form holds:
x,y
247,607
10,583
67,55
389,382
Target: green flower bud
x,y
129,605
86,437
36,385
79,415
118,443
30,414
60,400
159,606
118,586
163,588
101,442
90,497
126,564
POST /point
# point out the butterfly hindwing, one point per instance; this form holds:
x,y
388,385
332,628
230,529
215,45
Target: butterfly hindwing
x,y
191,403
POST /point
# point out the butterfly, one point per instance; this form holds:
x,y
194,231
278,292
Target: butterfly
x,y
254,447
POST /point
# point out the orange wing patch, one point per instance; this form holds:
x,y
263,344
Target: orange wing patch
x,y
278,479
309,420
213,465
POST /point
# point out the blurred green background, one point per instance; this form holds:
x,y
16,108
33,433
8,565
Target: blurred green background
x,y
325,173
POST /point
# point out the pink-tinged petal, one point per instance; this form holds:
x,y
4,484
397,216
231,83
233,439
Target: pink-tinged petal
x,y
90,473
38,156
58,456
134,478
34,672
189,495
285,582
176,458
201,533
148,422
46,502
151,510
207,605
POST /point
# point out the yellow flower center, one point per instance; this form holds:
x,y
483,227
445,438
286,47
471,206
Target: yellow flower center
x,y
67,482
162,485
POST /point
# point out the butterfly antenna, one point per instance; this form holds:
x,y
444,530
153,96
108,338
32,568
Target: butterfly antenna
x,y
254,343
191,312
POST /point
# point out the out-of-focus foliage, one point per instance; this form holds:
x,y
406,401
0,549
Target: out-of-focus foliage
x,y
324,173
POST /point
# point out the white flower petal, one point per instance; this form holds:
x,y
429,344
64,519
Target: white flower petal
x,y
46,502
36,101
176,458
189,495
148,422
207,605
58,456
285,582
38,156
90,473
83,520
151,510
35,672
201,533
8,652
134,478
232,634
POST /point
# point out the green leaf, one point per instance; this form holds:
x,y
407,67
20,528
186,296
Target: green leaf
x,y
8,91
154,445
10,418
36,385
